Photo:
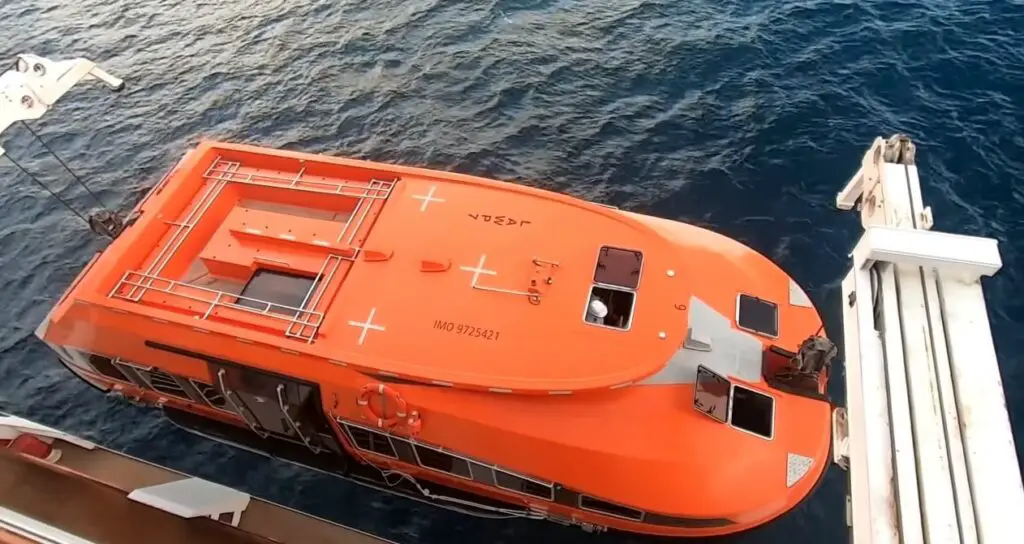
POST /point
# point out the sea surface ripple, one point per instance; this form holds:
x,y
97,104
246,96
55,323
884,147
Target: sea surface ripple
x,y
745,116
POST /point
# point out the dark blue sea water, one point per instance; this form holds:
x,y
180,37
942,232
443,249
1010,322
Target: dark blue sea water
x,y
745,116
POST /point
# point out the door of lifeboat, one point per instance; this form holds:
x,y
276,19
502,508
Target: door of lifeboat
x,y
273,404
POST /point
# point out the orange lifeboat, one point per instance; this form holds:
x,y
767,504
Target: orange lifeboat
x,y
520,351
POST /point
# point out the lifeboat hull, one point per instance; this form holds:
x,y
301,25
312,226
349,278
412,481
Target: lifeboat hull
x,y
489,348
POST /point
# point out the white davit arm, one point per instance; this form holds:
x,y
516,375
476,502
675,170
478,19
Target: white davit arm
x,y
925,434
35,83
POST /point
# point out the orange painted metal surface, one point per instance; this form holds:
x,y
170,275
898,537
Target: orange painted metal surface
x,y
468,295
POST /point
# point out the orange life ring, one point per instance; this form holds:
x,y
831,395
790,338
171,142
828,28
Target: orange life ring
x,y
389,397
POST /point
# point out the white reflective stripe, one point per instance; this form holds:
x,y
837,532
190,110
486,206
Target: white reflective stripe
x,y
796,468
797,296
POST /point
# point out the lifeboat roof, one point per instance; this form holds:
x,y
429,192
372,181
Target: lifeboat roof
x,y
431,276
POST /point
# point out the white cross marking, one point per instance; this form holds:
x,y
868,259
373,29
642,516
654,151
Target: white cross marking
x,y
479,269
368,325
428,198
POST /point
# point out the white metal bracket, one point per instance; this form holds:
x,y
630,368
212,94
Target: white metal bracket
x,y
864,181
194,497
36,83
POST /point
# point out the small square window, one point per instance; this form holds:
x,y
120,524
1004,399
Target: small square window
x,y
757,315
753,412
281,289
618,267
711,394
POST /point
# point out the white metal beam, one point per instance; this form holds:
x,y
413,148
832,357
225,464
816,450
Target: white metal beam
x,y
870,463
908,507
935,481
992,467
969,256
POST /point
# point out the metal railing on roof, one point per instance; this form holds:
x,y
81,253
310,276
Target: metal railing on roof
x,y
304,323
134,285
375,189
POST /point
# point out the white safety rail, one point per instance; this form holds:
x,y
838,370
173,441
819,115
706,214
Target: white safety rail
x,y
925,434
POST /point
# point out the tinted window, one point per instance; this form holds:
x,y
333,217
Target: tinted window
x,y
693,523
404,450
278,288
482,473
757,315
711,394
368,440
753,411
604,507
522,485
439,460
105,366
618,267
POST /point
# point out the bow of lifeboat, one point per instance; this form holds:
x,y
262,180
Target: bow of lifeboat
x,y
596,365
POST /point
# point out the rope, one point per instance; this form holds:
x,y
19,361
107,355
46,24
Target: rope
x,y
62,163
48,190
